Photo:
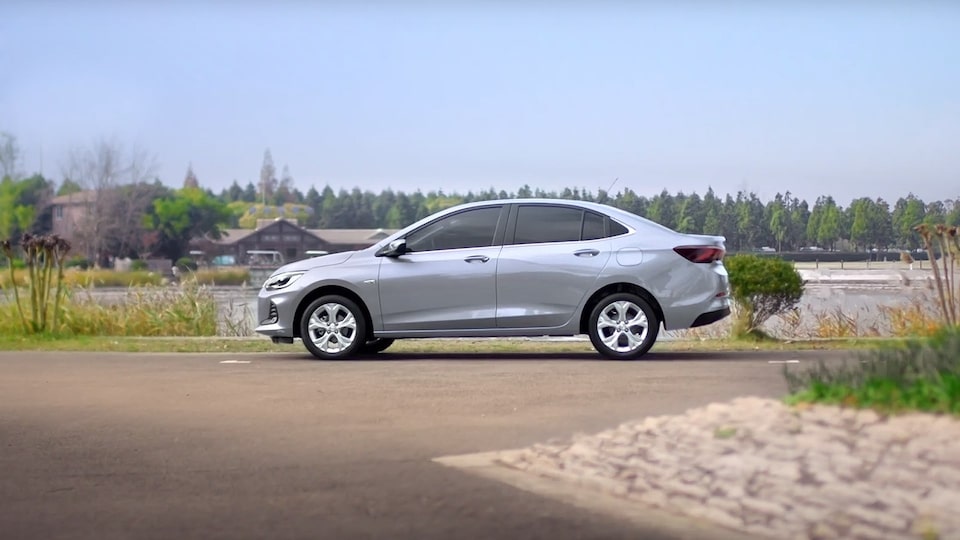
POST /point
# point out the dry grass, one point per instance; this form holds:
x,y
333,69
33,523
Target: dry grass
x,y
75,277
148,311
917,316
916,319
220,276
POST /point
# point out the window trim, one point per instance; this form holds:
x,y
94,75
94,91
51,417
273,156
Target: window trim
x,y
604,224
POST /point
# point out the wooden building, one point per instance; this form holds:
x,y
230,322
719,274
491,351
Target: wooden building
x,y
284,237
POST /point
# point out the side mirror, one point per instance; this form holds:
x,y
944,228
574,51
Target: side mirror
x,y
393,249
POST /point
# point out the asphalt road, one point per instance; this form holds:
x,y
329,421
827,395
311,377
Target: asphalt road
x,y
136,446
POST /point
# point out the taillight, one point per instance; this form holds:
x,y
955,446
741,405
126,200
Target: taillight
x,y
700,254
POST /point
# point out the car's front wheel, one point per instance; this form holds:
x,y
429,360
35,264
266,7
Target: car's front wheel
x,y
623,326
333,327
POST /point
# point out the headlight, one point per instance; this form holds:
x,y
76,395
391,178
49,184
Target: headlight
x,y
281,281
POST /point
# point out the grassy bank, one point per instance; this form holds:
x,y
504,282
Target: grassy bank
x,y
914,375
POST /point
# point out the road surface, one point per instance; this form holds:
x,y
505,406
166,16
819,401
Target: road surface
x,y
103,446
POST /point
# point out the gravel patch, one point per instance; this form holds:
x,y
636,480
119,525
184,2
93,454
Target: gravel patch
x,y
764,468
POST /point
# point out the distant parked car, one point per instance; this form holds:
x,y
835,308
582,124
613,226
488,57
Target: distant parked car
x,y
527,267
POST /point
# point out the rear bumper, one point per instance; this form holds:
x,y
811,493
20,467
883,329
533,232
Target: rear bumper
x,y
710,317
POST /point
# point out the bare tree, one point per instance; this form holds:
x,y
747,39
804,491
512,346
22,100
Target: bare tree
x,y
284,191
126,233
268,177
112,214
9,156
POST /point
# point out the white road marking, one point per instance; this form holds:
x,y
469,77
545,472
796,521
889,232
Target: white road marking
x,y
783,361
235,361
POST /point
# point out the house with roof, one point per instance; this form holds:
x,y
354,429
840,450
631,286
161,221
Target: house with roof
x,y
281,236
283,240
69,213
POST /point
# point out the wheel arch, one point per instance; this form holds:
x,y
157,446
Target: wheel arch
x,y
328,290
614,288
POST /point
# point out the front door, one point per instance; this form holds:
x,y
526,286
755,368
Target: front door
x,y
448,278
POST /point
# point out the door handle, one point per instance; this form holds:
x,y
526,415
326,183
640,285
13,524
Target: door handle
x,y
477,258
587,252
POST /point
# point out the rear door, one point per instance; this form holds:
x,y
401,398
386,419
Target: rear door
x,y
551,258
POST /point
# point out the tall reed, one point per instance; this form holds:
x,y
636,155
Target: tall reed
x,y
44,257
943,247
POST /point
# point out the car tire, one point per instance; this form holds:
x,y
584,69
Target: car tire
x,y
333,328
623,326
375,345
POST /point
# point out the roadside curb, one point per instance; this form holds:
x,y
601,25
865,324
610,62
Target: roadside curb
x,y
829,276
580,494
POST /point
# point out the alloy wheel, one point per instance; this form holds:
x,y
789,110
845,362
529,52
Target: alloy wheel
x,y
622,326
332,328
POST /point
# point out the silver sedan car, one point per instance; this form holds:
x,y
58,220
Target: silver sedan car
x,y
519,267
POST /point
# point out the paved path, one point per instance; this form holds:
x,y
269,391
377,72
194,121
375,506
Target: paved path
x,y
277,446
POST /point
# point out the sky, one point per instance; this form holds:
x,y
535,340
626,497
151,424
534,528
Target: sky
x,y
859,99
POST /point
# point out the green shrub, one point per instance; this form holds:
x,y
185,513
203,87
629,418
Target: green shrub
x,y
221,277
78,261
139,265
111,278
16,263
762,287
922,374
186,264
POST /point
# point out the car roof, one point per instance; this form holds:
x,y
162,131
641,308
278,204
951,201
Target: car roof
x,y
629,218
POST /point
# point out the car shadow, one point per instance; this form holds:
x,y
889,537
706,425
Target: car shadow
x,y
480,356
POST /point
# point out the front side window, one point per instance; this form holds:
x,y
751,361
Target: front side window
x,y
472,228
539,224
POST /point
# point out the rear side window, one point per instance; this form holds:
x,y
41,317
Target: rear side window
x,y
539,224
592,226
617,229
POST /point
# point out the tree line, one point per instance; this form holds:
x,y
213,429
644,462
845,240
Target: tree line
x,y
785,223
132,213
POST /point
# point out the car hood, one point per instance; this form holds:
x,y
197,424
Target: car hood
x,y
316,262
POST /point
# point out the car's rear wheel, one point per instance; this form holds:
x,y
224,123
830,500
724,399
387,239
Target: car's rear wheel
x,y
375,345
623,326
333,327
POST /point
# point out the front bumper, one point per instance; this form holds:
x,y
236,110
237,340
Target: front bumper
x,y
276,314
